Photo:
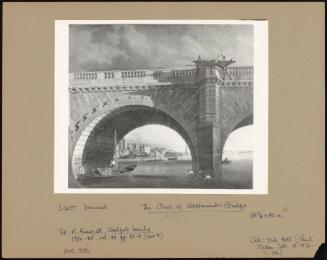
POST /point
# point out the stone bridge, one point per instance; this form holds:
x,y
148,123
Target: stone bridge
x,y
204,104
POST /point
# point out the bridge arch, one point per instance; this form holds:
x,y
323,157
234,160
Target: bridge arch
x,y
247,121
93,143
244,122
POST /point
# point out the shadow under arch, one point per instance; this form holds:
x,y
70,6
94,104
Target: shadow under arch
x,y
238,171
247,121
95,144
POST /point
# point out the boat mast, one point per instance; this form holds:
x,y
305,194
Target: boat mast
x,y
115,149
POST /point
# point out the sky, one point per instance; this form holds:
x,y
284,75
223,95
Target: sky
x,y
165,137
141,46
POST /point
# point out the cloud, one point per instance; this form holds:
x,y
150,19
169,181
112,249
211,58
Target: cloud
x,y
108,47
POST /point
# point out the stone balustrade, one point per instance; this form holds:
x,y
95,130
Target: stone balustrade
x,y
240,70
85,76
102,79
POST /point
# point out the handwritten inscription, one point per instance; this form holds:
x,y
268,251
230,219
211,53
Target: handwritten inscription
x,y
161,207
79,250
66,208
121,234
278,245
265,215
84,207
183,207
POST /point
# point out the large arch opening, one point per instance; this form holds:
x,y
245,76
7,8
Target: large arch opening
x,y
155,136
95,146
159,151
237,155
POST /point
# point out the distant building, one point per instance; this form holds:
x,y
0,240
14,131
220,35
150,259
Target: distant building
x,y
122,148
132,148
162,150
140,149
159,152
122,145
153,149
147,150
143,149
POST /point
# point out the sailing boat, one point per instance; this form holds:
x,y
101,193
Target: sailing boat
x,y
113,170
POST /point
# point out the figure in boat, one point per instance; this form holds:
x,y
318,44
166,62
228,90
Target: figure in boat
x,y
112,164
226,161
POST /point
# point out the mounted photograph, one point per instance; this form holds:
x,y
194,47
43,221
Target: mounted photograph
x,y
161,107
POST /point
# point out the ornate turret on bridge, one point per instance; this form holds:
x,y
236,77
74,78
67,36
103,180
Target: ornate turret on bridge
x,y
212,68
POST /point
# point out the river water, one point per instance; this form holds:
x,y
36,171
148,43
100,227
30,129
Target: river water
x,y
176,174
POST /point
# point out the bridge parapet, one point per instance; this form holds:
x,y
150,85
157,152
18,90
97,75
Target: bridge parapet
x,y
130,77
240,72
148,77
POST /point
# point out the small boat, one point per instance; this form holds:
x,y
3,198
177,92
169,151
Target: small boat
x,y
106,173
226,161
172,158
129,168
189,172
114,170
154,160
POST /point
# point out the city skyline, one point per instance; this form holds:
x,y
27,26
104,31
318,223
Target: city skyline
x,y
147,145
164,137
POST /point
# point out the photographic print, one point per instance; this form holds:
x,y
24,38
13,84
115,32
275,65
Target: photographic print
x,y
121,135
162,106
